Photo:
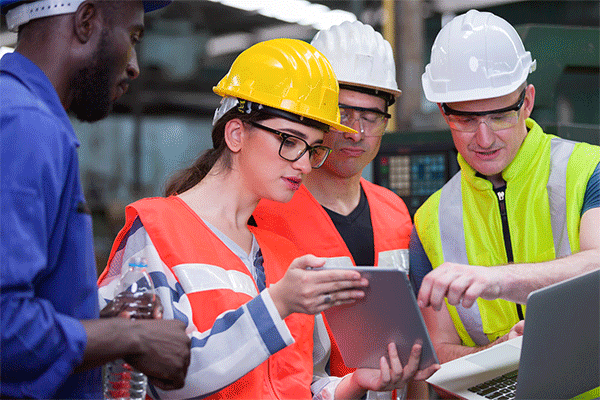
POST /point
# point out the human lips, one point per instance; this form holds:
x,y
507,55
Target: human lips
x,y
352,151
293,183
121,90
487,154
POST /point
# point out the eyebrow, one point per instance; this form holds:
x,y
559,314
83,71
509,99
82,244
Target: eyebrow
x,y
299,134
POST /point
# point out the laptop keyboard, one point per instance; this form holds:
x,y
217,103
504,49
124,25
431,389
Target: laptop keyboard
x,y
500,388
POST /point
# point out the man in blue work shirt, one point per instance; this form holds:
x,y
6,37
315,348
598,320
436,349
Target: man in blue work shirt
x,y
79,56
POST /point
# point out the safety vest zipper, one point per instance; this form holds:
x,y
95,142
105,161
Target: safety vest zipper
x,y
500,193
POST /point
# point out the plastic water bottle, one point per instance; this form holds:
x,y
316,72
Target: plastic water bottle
x,y
134,298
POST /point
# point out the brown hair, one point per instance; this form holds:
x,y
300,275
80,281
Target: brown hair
x,y
187,178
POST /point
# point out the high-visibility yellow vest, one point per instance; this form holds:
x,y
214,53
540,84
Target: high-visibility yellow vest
x,y
545,187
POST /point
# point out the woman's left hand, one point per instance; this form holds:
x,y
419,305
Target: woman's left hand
x,y
393,376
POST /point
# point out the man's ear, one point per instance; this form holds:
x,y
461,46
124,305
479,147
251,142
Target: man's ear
x,y
86,18
234,132
529,100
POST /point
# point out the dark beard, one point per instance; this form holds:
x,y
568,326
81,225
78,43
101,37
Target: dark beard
x,y
92,85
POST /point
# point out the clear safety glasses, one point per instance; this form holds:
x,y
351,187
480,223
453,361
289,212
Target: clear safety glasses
x,y
293,148
496,120
370,120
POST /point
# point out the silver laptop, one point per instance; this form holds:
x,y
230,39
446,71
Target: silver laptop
x,y
558,356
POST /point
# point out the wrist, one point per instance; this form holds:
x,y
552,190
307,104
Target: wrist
x,y
509,282
129,335
350,388
277,301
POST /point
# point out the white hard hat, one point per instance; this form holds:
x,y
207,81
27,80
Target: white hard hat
x,y
477,55
360,57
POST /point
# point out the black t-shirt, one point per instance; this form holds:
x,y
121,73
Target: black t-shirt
x,y
357,231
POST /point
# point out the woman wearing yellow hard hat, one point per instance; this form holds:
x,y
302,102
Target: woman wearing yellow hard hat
x,y
247,295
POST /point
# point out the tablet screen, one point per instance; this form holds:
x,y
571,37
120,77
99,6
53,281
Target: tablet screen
x,y
388,313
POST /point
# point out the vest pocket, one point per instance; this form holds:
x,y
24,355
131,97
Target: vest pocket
x,y
497,317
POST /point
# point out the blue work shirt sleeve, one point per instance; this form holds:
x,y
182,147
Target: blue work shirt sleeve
x,y
419,263
41,344
592,192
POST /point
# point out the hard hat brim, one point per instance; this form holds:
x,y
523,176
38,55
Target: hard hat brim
x,y
393,92
332,124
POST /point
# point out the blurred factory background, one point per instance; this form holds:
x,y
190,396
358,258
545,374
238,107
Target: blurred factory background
x,y
164,121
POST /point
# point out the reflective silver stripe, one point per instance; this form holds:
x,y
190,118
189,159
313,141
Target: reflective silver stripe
x,y
452,233
203,277
471,319
397,258
560,151
452,230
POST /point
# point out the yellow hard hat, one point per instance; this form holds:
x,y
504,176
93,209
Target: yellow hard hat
x,y
288,75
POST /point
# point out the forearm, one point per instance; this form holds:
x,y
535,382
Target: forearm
x,y
36,342
445,338
36,339
109,339
522,279
450,351
239,341
348,388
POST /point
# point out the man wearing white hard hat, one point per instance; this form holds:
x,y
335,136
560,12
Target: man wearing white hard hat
x,y
76,55
337,213
523,211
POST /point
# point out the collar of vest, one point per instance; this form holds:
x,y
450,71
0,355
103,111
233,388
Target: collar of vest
x,y
526,157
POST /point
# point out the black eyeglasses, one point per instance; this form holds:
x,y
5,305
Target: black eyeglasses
x,y
467,121
293,148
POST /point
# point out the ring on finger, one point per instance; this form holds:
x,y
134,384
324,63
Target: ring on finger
x,y
327,298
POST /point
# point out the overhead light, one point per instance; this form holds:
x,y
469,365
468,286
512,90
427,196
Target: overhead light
x,y
300,12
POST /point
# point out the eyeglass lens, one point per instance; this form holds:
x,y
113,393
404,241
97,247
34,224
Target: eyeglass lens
x,y
496,122
371,123
293,148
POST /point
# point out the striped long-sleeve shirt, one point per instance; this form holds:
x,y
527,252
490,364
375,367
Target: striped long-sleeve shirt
x,y
239,340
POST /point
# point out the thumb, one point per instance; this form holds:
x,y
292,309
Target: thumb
x,y
308,261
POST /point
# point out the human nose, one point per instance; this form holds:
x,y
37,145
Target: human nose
x,y
133,68
303,163
484,135
356,124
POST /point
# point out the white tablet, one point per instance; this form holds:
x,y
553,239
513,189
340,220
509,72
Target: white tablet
x,y
388,313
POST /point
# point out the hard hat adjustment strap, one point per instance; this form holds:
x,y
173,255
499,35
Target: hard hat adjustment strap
x,y
40,9
246,107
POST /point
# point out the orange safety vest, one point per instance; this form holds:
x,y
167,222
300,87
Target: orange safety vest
x,y
304,221
181,237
